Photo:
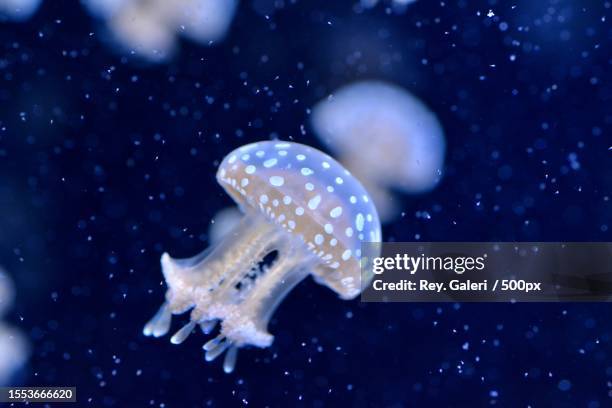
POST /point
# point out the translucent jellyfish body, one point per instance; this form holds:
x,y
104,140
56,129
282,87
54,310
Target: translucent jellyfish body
x,y
150,28
18,10
397,5
7,294
13,353
385,136
222,223
13,345
300,207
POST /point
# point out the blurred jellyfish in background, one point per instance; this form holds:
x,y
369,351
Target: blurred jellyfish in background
x,y
396,5
104,8
386,137
13,353
7,294
223,222
150,28
13,346
18,10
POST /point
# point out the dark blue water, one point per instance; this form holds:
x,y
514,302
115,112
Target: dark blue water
x,y
106,162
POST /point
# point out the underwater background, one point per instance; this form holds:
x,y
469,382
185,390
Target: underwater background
x,y
107,161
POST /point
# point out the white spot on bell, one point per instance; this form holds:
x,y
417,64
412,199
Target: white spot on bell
x,y
277,181
250,169
306,171
314,202
336,212
359,220
346,255
270,163
319,239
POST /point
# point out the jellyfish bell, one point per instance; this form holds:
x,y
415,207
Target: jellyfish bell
x,y
299,204
18,10
371,121
385,136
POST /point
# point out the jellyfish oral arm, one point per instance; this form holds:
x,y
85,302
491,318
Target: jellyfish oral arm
x,y
233,285
206,278
248,323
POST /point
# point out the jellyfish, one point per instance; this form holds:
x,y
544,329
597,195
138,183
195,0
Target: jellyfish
x,y
150,28
18,10
397,5
13,353
302,209
141,27
13,345
386,137
7,293
222,223
203,21
104,8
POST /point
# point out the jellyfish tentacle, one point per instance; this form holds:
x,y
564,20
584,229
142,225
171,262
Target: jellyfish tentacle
x,y
229,363
181,335
217,350
159,323
207,326
212,343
